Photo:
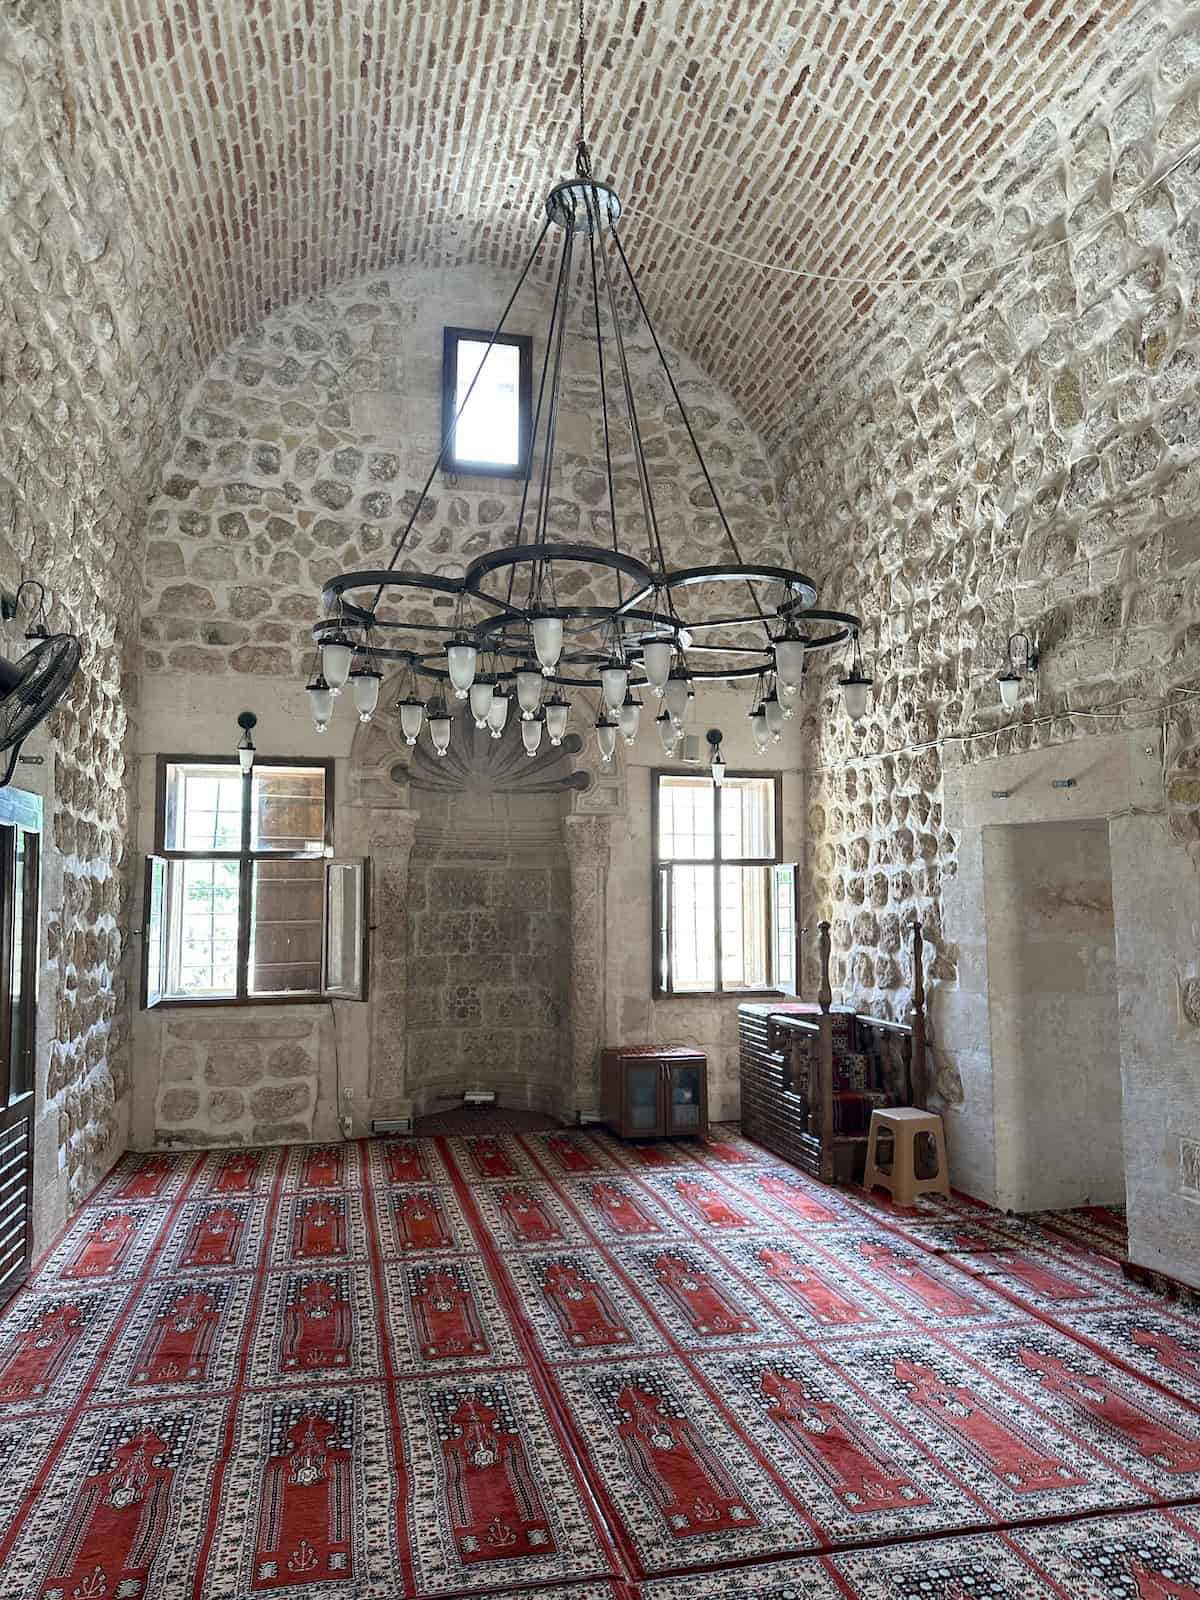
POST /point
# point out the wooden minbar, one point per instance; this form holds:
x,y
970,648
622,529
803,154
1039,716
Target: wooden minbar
x,y
647,1092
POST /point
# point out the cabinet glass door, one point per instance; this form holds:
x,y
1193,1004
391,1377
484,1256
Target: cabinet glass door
x,y
686,1095
641,1093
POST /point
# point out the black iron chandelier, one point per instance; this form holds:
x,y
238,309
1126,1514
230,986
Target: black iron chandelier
x,y
649,626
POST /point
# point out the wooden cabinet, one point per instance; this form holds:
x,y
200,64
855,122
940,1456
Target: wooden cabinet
x,y
648,1093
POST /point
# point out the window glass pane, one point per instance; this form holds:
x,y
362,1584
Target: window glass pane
x,y
748,817
490,426
287,809
686,812
785,928
203,808
343,928
744,924
203,898
286,914
693,928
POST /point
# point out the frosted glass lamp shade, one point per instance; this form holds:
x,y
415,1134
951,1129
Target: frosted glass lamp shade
x,y
529,691
656,658
773,712
461,656
758,727
320,702
558,713
606,738
718,769
531,734
789,663
480,697
412,716
498,711
337,654
668,733
439,730
246,753
547,641
628,718
614,681
366,693
675,697
855,692
1010,690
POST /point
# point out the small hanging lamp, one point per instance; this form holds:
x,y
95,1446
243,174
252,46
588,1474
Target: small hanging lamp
x,y
246,752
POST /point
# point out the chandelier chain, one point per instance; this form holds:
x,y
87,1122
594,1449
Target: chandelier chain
x,y
593,205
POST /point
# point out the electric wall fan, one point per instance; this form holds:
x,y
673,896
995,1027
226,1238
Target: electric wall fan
x,y
31,687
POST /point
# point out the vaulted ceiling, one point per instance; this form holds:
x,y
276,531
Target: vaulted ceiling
x,y
282,146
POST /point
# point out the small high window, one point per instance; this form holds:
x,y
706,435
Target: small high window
x,y
724,901
492,435
243,900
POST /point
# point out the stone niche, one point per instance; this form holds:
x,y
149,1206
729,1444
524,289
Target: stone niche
x,y
489,920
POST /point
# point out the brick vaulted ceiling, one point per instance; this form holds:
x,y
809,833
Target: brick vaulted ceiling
x,y
283,146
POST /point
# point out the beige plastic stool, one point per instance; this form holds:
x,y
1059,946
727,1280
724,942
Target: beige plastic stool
x,y
904,1123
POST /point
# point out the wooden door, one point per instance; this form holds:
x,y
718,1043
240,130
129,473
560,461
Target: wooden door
x,y
20,881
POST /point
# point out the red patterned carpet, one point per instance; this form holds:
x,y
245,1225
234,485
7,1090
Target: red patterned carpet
x,y
555,1366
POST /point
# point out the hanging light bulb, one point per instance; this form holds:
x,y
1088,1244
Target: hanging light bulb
x,y
789,661
774,715
337,654
439,726
758,727
675,696
558,712
365,683
529,690
606,736
667,731
531,733
461,656
656,659
547,641
480,697
498,710
320,701
717,763
629,716
614,680
412,716
246,750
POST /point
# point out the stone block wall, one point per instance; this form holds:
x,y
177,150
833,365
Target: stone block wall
x,y
92,363
226,1078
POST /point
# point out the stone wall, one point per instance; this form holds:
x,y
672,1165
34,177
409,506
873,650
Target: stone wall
x,y
91,366
1016,447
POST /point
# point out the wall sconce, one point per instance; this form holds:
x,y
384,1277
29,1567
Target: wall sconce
x,y
717,763
246,751
856,686
1010,681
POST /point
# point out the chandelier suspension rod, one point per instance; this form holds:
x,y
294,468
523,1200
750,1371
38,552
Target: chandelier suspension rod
x,y
594,219
535,430
635,432
535,574
687,421
449,433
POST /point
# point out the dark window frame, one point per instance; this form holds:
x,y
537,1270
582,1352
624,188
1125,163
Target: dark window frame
x,y
661,869
246,857
523,342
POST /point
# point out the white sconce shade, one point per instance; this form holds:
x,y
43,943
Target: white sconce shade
x,y
366,692
606,738
246,752
856,690
531,734
628,718
558,712
320,702
461,656
773,712
498,710
718,768
614,681
412,716
337,654
758,727
675,697
1010,689
529,691
547,641
789,664
480,697
246,757
668,733
656,658
439,729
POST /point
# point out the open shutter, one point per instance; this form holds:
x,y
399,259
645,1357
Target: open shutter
x,y
154,935
785,944
662,931
344,975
